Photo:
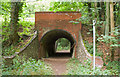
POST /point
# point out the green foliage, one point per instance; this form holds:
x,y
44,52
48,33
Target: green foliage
x,y
29,67
63,44
89,47
65,6
5,16
87,17
113,66
109,38
26,11
27,26
9,51
29,8
117,13
74,67
59,48
5,8
74,22
5,30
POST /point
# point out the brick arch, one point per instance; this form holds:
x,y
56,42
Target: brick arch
x,y
47,42
58,31
48,21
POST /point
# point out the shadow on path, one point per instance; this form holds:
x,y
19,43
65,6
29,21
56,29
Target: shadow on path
x,y
58,62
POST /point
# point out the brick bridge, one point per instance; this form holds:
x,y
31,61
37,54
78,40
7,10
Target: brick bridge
x,y
52,26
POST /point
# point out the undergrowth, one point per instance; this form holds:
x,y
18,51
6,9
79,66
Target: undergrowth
x,y
25,29
10,50
89,47
29,67
74,67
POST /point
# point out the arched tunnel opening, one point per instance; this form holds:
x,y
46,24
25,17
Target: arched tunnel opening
x,y
62,45
48,43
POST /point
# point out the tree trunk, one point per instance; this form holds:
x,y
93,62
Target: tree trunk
x,y
118,15
102,11
89,6
102,18
112,28
95,5
107,19
15,8
114,5
111,17
102,15
89,11
98,5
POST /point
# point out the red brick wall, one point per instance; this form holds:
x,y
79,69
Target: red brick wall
x,y
46,21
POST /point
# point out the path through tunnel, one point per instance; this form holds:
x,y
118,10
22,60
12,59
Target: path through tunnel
x,y
48,43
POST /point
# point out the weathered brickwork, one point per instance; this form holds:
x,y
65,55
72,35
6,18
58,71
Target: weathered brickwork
x,y
48,21
52,26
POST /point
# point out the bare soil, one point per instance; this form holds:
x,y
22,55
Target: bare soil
x,y
58,63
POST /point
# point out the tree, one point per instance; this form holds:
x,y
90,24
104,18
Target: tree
x,y
111,17
101,11
107,19
118,13
89,11
15,9
112,28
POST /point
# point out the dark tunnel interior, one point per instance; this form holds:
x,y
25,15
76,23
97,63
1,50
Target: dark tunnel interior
x,y
48,42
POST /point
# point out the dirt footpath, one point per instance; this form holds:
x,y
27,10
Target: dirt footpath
x,y
58,64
